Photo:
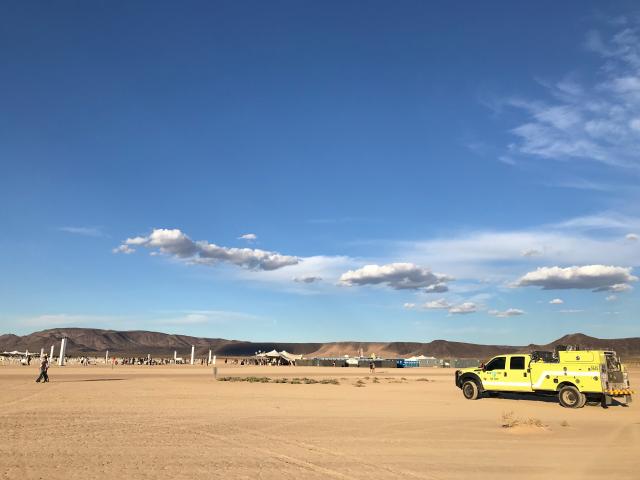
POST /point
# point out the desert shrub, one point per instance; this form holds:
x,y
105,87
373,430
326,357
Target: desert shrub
x,y
508,420
330,381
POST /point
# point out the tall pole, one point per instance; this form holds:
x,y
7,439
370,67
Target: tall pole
x,y
41,353
209,362
106,358
193,353
175,356
51,356
63,349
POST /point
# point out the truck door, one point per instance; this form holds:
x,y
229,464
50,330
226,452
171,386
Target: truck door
x,y
517,378
494,374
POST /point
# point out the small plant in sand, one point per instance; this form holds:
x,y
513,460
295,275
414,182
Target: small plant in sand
x,y
359,383
423,380
509,420
534,422
564,423
375,380
330,381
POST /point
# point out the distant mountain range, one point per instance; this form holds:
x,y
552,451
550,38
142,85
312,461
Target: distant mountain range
x,y
90,341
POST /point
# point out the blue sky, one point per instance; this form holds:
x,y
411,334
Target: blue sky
x,y
399,171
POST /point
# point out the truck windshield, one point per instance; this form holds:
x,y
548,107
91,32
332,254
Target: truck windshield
x,y
497,363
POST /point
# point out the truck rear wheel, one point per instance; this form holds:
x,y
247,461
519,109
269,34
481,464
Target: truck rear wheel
x,y
583,400
470,390
570,397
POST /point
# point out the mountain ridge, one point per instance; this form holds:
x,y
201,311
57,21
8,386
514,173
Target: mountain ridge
x,y
90,341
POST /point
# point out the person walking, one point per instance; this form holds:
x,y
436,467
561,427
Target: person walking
x,y
44,366
372,367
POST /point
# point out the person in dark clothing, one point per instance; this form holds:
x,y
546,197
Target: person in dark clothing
x,y
44,366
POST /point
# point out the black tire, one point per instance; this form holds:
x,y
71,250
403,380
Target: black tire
x,y
570,397
583,400
470,390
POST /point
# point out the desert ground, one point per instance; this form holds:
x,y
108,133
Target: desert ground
x,y
178,422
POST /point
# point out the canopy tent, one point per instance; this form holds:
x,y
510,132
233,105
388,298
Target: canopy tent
x,y
289,356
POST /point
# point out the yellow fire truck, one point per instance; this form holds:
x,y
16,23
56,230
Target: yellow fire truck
x,y
575,376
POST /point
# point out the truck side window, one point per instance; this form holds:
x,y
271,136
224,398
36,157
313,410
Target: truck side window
x,y
517,363
497,363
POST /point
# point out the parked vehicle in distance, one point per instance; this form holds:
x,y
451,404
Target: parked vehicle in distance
x,y
575,376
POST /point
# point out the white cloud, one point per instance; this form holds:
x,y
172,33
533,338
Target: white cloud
x,y
126,249
409,306
175,243
619,288
250,237
595,122
611,298
594,277
494,255
532,252
632,237
463,308
399,276
437,304
201,317
510,312
570,311
85,231
556,301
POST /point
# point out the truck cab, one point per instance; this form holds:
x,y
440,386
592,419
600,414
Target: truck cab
x,y
575,376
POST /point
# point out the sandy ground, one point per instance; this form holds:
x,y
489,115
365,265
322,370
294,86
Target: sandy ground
x,y
177,422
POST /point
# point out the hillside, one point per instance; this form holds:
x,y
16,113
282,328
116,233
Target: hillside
x,y
95,342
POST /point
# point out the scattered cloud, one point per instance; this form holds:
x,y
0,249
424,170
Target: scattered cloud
x,y
611,298
249,237
437,304
399,276
510,312
126,249
593,122
175,243
409,306
556,301
493,255
309,279
632,237
203,317
569,311
463,308
85,231
618,288
595,277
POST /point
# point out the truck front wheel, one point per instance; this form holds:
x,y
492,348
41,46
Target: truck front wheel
x,y
571,397
470,390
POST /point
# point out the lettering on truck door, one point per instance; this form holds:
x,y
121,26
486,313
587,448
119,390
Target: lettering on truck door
x,y
494,375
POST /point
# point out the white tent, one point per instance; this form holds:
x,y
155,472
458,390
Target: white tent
x,y
272,354
289,356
